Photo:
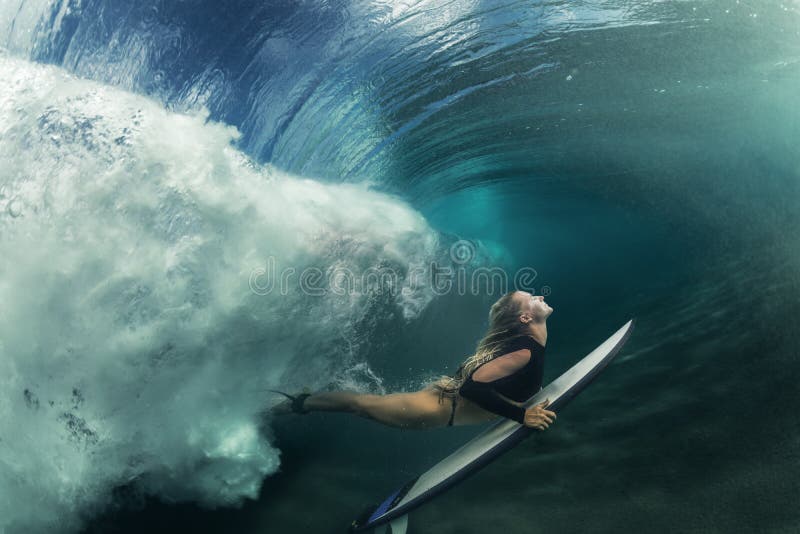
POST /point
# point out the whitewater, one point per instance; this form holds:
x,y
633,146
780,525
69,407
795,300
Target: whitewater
x,y
136,348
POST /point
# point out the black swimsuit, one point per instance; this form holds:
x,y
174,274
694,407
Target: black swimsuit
x,y
518,386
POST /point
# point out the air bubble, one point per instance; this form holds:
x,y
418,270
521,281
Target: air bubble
x,y
14,207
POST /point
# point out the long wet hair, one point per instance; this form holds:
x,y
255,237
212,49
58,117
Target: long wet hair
x,y
504,325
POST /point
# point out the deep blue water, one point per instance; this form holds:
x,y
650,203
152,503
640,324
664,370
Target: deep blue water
x,y
641,157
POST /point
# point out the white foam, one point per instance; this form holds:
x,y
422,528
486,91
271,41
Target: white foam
x,y
132,347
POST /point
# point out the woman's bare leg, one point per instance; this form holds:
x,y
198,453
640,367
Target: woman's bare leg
x,y
420,409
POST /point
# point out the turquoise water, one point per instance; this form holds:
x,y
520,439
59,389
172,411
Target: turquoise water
x,y
641,158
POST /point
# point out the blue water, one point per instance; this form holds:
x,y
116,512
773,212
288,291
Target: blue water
x,y
641,158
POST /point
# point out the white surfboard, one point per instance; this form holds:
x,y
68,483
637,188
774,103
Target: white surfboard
x,y
487,446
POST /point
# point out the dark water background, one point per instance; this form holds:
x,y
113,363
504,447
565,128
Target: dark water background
x,y
642,157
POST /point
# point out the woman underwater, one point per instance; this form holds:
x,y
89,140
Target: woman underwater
x,y
505,371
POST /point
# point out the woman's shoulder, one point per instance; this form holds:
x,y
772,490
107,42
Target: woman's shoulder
x,y
522,342
502,366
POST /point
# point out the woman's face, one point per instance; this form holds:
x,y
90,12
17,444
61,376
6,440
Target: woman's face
x,y
533,306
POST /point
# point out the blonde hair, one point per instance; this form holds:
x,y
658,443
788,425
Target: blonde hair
x,y
504,324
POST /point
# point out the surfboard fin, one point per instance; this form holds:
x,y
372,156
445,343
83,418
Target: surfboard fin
x,y
399,525
395,526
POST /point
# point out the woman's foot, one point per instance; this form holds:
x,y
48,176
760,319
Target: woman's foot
x,y
292,404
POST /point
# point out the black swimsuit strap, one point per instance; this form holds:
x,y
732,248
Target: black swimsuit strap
x,y
453,411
